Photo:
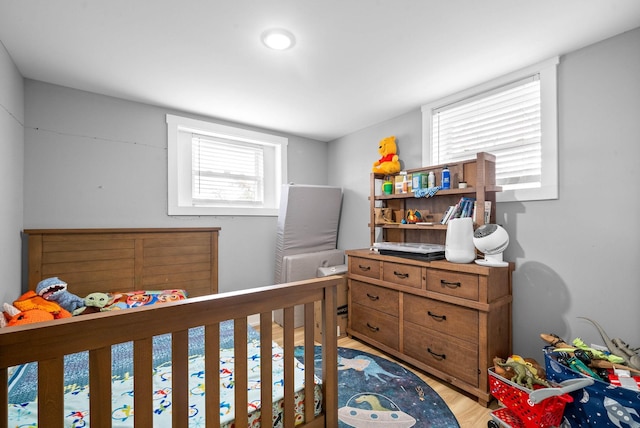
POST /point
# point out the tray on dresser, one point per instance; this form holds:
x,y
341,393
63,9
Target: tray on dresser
x,y
412,250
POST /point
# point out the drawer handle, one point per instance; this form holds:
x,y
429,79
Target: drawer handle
x,y
450,284
437,317
401,275
372,297
438,356
364,268
372,328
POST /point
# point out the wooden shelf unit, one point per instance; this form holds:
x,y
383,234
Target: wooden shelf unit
x,y
478,173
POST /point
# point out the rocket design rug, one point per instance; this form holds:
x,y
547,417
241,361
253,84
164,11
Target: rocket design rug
x,y
375,392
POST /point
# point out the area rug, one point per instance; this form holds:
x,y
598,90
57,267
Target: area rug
x,y
375,392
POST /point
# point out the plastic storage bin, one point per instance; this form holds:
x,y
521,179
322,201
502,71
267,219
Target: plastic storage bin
x,y
597,406
523,409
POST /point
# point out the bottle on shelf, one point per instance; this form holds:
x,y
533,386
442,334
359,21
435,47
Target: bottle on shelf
x,y
431,179
446,178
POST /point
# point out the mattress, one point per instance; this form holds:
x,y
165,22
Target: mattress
x,y
299,267
22,394
307,222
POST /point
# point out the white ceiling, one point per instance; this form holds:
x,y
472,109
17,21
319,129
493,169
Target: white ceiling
x,y
355,62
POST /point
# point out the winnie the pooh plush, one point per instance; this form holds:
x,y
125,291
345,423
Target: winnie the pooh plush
x,y
388,163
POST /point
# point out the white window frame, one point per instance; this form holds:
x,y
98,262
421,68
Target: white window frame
x,y
547,71
179,167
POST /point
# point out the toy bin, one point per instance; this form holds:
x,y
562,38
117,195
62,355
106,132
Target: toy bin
x,y
599,405
526,408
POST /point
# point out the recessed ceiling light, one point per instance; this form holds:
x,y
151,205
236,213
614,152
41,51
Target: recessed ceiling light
x,y
278,39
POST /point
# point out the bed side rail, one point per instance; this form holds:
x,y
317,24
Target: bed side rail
x,y
47,343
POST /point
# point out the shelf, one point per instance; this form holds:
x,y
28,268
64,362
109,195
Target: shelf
x,y
436,226
468,190
478,173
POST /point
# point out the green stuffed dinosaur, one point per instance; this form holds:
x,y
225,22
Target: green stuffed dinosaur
x,y
596,353
524,373
562,346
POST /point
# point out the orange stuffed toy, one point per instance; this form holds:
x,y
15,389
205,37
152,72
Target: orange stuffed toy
x,y
30,317
30,300
389,162
31,308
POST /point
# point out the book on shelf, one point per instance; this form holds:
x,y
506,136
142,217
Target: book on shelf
x,y
464,208
456,211
447,214
467,208
487,212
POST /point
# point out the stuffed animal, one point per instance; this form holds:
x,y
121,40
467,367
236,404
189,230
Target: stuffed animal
x,y
388,163
30,317
31,301
54,289
413,216
35,311
8,312
94,302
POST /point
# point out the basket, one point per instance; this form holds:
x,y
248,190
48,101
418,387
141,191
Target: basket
x,y
521,411
600,405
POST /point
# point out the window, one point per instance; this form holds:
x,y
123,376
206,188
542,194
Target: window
x,y
514,118
223,170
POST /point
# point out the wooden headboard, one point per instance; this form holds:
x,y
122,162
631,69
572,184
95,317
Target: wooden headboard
x,y
109,260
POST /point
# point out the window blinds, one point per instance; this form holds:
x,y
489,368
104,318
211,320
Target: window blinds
x,y
226,171
504,122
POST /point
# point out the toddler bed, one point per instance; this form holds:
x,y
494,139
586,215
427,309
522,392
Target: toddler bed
x,y
173,351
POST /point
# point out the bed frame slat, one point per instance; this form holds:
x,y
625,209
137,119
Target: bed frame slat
x,y
212,374
4,396
266,367
142,381
180,377
100,386
330,357
240,371
289,359
50,390
309,361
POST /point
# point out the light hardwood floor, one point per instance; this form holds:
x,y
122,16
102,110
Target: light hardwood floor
x,y
467,411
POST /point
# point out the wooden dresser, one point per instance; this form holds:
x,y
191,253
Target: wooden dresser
x,y
447,319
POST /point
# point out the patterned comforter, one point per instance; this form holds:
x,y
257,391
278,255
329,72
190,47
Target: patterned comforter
x,y
22,393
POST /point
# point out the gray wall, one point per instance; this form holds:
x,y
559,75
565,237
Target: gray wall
x,y
350,161
575,256
11,173
97,161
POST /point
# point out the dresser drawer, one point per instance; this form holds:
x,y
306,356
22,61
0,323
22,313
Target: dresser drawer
x,y
451,320
374,297
379,326
402,274
457,358
365,267
457,284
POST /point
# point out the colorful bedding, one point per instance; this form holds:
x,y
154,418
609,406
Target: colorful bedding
x,y
133,299
22,392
